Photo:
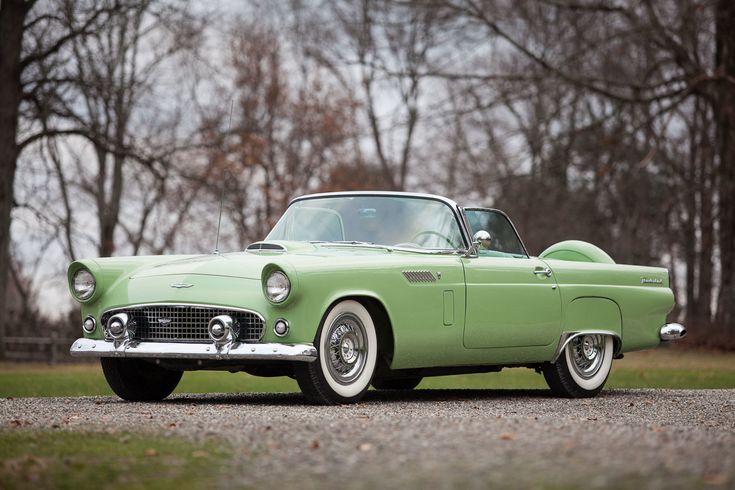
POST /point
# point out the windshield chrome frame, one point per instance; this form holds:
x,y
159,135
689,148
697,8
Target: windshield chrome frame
x,y
456,210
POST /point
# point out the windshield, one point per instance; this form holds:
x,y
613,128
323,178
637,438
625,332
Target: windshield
x,y
382,220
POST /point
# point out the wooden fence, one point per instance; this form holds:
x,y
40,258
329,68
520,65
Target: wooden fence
x,y
51,349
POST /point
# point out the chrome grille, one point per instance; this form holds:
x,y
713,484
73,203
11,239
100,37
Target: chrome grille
x,y
187,323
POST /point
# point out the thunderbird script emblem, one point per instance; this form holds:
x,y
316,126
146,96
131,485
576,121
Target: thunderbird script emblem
x,y
180,285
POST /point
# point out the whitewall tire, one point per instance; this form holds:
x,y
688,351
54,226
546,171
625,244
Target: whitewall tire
x,y
347,347
582,368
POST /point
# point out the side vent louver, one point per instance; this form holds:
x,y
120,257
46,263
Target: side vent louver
x,y
419,276
265,247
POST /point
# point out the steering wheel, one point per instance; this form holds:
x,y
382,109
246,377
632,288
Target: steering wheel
x,y
434,233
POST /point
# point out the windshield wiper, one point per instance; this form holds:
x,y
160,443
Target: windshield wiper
x,y
343,242
389,248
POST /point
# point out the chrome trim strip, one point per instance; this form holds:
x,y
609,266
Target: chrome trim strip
x,y
376,193
183,305
672,331
84,347
567,337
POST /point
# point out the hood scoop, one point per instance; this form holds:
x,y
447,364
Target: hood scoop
x,y
266,247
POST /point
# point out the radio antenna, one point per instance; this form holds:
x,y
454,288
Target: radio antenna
x,y
224,181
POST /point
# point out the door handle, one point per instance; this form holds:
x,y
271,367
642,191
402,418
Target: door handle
x,y
542,271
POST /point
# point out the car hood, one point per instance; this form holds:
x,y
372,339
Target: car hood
x,y
245,266
250,264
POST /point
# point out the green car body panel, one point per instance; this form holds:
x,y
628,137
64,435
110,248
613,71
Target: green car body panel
x,y
470,311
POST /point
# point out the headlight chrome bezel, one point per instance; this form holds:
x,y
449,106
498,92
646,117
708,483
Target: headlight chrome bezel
x,y
79,293
270,286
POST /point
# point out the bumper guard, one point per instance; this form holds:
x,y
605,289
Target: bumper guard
x,y
672,331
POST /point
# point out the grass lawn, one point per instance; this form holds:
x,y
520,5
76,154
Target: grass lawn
x,y
659,368
32,459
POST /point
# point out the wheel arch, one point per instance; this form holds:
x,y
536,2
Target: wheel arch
x,y
567,337
381,319
591,315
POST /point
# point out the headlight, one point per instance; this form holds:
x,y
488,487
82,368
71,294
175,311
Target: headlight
x,y
277,287
83,284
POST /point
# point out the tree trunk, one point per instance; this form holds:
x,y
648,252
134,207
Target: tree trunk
x,y
12,18
725,117
707,205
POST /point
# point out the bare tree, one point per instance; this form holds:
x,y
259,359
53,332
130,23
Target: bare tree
x,y
32,35
288,130
116,73
380,50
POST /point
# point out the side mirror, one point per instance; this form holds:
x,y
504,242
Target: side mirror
x,y
482,239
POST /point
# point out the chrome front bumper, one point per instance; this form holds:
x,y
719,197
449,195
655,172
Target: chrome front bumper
x,y
672,331
169,350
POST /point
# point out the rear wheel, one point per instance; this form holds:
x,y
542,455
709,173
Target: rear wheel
x,y
582,369
138,380
397,383
347,348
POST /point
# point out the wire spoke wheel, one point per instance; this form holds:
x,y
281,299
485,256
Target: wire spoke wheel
x,y
347,348
587,354
582,368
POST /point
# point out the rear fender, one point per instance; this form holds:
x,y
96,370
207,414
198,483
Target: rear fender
x,y
591,315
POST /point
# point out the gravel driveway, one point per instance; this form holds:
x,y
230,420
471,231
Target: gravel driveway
x,y
434,438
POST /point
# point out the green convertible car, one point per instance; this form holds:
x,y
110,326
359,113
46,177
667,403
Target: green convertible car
x,y
359,288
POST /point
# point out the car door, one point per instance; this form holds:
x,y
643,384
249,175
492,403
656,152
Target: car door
x,y
512,299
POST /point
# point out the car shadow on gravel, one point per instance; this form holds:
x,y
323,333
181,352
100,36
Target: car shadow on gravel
x,y
398,396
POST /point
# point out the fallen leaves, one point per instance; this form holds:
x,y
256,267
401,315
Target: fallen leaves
x,y
716,479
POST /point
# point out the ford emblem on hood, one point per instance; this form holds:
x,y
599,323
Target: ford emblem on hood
x,y
180,285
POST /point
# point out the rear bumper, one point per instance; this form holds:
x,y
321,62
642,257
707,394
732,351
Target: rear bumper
x,y
169,350
672,331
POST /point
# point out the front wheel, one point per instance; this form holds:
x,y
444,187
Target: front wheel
x,y
347,348
582,369
137,380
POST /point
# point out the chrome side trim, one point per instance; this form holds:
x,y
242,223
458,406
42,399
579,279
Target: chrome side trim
x,y
163,350
567,337
672,331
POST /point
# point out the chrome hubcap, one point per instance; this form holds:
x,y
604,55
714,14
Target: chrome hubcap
x,y
587,353
347,348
